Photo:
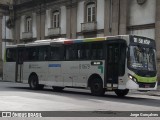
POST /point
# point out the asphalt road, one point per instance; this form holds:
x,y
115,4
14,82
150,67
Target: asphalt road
x,y
18,97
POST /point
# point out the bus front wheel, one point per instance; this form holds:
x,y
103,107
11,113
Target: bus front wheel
x,y
96,86
33,83
121,93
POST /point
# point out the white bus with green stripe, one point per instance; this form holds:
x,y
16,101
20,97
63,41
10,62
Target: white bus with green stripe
x,y
113,63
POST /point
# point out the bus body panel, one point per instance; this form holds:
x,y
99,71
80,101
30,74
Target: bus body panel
x,y
9,71
87,69
70,72
55,76
64,73
39,68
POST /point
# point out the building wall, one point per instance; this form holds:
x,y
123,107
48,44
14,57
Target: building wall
x,y
142,18
6,32
6,1
1,61
150,33
7,35
63,19
157,34
142,14
22,25
47,21
100,14
34,25
80,15
118,18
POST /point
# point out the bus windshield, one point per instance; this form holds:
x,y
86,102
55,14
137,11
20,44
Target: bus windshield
x,y
142,58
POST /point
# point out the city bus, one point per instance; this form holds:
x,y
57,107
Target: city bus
x,y
113,63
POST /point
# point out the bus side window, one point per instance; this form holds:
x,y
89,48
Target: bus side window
x,y
32,53
97,51
83,51
56,53
43,53
11,55
71,52
25,55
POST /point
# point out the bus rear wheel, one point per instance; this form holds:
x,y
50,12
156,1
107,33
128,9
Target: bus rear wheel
x,y
121,93
96,86
57,88
33,83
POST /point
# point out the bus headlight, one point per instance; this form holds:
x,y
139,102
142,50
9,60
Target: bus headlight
x,y
132,78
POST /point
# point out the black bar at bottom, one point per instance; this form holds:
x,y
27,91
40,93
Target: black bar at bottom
x,y
79,114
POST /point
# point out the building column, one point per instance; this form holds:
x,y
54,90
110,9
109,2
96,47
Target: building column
x,y
38,26
16,30
111,17
72,21
68,22
1,61
123,17
42,25
40,21
157,34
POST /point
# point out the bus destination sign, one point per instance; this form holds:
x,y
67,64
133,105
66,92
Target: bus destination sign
x,y
135,40
142,41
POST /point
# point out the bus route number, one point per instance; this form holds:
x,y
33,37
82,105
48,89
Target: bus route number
x,y
84,66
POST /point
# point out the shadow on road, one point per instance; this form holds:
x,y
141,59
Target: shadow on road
x,y
85,95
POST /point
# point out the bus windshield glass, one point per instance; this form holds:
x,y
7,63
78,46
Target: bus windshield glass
x,y
142,58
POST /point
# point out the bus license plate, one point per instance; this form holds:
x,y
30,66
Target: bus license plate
x,y
147,86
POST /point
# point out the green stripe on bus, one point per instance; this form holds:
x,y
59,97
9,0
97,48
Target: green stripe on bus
x,y
145,79
93,39
101,68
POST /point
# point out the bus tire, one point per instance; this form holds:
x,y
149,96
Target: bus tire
x,y
34,84
96,87
57,88
121,93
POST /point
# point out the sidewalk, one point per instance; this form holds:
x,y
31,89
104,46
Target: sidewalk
x,y
155,93
150,93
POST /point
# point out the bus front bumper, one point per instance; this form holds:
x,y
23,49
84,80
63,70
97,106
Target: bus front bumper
x,y
141,86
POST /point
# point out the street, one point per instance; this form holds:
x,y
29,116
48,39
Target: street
x,y
18,97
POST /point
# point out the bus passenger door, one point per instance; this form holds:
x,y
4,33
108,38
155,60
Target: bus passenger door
x,y
19,64
115,62
112,64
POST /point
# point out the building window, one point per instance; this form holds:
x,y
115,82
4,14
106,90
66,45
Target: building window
x,y
55,19
28,24
91,12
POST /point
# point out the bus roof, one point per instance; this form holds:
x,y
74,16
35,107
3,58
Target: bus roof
x,y
67,41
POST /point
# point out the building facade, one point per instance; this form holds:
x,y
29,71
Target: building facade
x,y
23,21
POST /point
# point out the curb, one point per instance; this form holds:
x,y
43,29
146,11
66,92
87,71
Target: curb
x,y
157,93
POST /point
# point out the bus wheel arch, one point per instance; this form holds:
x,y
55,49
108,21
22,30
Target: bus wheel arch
x,y
95,83
34,81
